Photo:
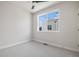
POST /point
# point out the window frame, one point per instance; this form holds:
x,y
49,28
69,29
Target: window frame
x,y
57,25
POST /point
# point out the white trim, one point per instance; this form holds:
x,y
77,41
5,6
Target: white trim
x,y
14,44
57,45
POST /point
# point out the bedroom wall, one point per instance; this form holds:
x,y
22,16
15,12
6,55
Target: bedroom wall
x,y
67,37
15,24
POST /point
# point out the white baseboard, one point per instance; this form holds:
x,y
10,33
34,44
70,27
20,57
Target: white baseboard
x,y
14,44
57,45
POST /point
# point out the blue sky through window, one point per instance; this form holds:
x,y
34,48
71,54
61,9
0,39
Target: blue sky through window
x,y
49,16
42,19
52,15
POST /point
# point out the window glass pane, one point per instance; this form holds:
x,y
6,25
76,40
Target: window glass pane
x,y
52,15
54,27
42,20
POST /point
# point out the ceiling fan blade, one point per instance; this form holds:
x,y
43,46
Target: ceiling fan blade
x,y
33,7
38,1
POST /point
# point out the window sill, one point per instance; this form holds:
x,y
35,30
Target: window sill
x,y
48,31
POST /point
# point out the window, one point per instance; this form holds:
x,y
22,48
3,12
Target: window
x,y
49,21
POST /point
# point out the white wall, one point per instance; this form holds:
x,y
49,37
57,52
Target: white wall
x,y
67,37
78,25
15,24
